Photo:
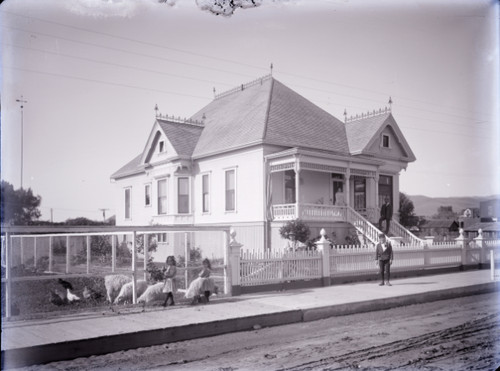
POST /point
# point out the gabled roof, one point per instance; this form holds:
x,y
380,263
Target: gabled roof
x,y
360,132
363,132
266,111
183,136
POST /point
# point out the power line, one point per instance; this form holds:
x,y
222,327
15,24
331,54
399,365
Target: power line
x,y
184,63
107,83
115,64
221,59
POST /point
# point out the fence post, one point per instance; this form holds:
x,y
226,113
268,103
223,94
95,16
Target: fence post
x,y
134,268
22,249
8,274
232,255
463,244
51,257
35,253
429,240
146,255
187,255
479,242
323,245
492,265
87,240
113,252
68,252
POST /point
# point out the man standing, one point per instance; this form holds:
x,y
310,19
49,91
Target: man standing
x,y
385,214
383,257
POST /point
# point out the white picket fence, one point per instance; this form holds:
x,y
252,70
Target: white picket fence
x,y
261,268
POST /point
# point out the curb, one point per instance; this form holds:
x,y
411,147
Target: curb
x,y
22,357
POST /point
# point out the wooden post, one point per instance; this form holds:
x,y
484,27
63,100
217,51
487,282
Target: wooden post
x,y
297,190
134,268
22,249
88,254
347,187
186,260
35,253
323,245
492,264
146,255
479,242
8,275
461,242
51,257
68,252
232,273
113,252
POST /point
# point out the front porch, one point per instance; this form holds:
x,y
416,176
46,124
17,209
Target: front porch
x,y
316,186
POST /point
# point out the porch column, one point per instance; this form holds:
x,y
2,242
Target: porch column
x,y
297,187
377,178
347,186
395,196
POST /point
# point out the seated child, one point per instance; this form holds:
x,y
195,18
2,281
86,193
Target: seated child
x,y
201,285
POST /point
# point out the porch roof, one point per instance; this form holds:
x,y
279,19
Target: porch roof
x,y
322,161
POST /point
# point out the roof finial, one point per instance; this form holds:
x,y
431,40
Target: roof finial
x,y
215,94
390,104
345,114
156,110
271,68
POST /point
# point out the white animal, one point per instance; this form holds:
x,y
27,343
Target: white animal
x,y
71,297
125,295
153,293
114,283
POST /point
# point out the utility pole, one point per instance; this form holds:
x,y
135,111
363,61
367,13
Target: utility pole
x,y
51,215
22,101
104,214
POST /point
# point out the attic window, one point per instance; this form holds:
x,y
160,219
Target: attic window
x,y
385,141
161,147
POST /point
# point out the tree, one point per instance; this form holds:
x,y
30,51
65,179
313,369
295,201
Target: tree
x,y
445,212
407,215
297,226
18,206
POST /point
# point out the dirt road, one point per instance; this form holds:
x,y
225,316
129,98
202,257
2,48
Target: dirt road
x,y
458,334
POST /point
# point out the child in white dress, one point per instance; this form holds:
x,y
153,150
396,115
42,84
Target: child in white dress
x,y
201,285
170,285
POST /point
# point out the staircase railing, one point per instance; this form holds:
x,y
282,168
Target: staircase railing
x,y
397,229
361,224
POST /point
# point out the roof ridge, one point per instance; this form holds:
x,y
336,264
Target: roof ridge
x,y
258,81
180,120
268,109
369,114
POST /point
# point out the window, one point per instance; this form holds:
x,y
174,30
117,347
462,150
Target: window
x,y
162,238
147,195
385,141
127,203
205,191
161,146
230,190
162,196
290,187
183,195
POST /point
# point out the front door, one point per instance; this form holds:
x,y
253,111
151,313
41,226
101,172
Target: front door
x,y
360,194
384,189
338,197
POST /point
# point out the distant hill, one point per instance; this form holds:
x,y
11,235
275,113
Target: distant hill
x,y
427,206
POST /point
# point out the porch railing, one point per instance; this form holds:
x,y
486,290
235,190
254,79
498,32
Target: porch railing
x,y
398,230
284,212
323,212
361,224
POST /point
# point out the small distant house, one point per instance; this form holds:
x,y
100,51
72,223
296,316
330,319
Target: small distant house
x,y
442,229
489,210
491,230
259,155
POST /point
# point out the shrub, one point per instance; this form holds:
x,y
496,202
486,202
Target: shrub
x,y
297,226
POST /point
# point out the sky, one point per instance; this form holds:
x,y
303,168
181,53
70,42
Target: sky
x,y
93,70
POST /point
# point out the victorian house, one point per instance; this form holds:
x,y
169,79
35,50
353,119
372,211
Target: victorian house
x,y
262,154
